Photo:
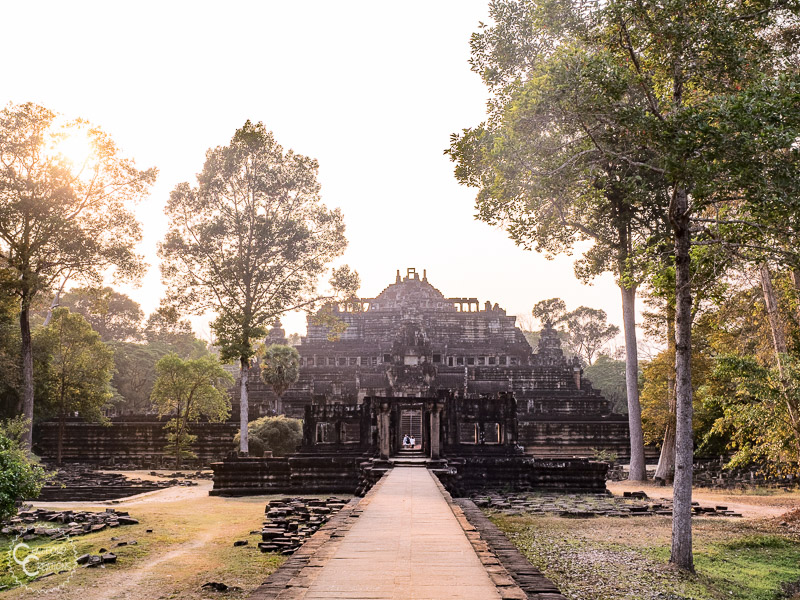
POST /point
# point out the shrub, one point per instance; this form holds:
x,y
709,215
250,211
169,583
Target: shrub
x,y
21,478
281,435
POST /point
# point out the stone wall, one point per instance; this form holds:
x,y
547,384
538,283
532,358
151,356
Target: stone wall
x,y
299,473
565,439
523,473
713,473
130,440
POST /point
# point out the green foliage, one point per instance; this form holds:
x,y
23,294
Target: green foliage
x,y
536,162
135,374
280,367
136,362
187,390
251,240
608,376
659,373
604,455
588,331
60,217
76,366
165,329
280,435
115,316
759,411
9,354
75,369
552,311
20,477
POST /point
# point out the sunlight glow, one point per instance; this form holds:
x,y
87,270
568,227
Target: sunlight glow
x,y
73,143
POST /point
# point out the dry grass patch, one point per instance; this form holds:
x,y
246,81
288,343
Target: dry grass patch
x,y
191,544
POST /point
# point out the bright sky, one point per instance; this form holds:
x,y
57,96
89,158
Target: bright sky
x,y
373,90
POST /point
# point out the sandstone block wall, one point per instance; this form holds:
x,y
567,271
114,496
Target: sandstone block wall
x,y
134,440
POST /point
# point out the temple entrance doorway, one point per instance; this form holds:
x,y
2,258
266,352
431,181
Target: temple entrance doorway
x,y
411,425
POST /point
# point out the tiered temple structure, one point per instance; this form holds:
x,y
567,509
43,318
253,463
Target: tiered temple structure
x,y
412,342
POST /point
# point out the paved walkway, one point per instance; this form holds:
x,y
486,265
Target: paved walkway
x,y
406,545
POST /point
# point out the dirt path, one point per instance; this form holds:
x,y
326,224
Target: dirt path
x,y
143,579
751,506
191,543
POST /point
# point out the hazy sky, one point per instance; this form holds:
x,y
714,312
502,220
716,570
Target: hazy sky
x,y
371,89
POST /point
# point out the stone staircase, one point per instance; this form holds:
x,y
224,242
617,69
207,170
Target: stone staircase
x,y
409,458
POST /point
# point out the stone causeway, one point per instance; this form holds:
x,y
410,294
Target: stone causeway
x,y
407,539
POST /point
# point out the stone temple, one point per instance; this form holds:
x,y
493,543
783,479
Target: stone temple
x,y
411,341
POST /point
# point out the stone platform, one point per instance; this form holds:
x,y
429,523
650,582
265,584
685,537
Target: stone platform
x,y
405,540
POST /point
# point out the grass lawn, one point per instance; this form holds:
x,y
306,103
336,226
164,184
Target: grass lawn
x,y
612,558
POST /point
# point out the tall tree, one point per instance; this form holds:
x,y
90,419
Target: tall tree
x,y
115,316
65,196
552,311
710,88
538,171
280,368
588,331
78,372
187,390
250,243
701,99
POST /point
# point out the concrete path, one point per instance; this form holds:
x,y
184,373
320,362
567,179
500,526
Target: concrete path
x,y
406,545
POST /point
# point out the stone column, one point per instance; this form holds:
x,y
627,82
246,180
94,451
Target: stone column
x,y
436,412
384,445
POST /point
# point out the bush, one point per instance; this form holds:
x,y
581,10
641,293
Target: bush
x,y
20,477
281,435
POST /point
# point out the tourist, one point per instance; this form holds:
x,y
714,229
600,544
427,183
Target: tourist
x,y
406,441
413,442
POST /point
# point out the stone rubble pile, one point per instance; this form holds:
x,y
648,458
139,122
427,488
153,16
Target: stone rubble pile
x,y
713,474
65,523
632,504
181,475
76,483
290,522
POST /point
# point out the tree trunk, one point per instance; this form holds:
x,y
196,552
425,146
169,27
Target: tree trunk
x,y
779,343
244,373
775,325
61,426
178,435
638,471
27,374
666,460
53,305
681,555
796,282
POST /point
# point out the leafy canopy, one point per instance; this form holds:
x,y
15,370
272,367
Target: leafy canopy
x,y
251,240
115,316
64,215
280,367
78,368
187,390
